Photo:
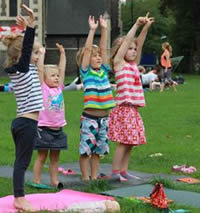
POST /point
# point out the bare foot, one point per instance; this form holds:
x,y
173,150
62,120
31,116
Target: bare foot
x,y
22,204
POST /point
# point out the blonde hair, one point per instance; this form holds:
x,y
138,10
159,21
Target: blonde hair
x,y
36,44
80,53
14,48
48,67
167,46
14,44
115,47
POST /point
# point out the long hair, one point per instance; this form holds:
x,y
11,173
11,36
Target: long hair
x,y
14,48
167,46
14,44
115,47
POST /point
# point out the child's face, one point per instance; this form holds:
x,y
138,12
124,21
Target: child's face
x,y
131,52
51,77
34,56
95,60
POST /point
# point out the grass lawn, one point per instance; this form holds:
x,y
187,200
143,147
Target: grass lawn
x,y
171,120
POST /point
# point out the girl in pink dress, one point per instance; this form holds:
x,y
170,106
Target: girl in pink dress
x,y
125,123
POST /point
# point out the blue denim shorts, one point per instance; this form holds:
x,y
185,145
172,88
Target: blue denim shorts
x,y
50,139
93,138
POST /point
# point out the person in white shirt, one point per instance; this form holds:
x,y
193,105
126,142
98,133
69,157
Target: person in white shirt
x,y
151,80
148,78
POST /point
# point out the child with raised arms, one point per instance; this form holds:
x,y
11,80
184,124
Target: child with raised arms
x,y
125,123
51,138
22,57
98,100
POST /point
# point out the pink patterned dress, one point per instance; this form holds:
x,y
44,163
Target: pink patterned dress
x,y
125,123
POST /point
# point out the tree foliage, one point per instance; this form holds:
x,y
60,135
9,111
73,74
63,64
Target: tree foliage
x,y
135,8
186,32
177,20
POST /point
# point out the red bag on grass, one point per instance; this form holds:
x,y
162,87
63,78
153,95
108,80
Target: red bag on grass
x,y
158,197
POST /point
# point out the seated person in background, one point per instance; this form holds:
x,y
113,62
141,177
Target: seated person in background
x,y
76,84
155,84
156,69
149,78
6,87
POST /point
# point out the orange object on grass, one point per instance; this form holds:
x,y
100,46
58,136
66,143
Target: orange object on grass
x,y
189,180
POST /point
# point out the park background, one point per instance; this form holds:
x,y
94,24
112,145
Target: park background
x,y
65,21
171,119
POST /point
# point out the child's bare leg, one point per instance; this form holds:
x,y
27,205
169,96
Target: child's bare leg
x,y
125,162
162,87
126,157
37,169
118,156
53,167
84,164
117,162
174,87
22,204
151,86
94,165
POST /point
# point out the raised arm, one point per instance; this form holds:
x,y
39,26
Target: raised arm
x,y
23,63
40,64
62,62
103,40
142,36
29,22
119,58
88,45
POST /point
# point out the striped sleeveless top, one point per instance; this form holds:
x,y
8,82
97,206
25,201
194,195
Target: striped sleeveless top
x,y
97,89
129,86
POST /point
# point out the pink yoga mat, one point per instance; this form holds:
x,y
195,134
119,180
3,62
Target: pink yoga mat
x,y
52,201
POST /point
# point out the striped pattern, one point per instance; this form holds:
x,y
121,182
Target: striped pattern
x,y
27,90
97,89
129,86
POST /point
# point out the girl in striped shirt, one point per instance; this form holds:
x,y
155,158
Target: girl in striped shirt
x,y
98,99
22,57
125,124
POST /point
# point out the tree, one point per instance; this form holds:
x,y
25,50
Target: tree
x,y
186,31
162,26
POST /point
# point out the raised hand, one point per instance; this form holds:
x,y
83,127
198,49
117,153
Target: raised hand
x,y
103,22
21,21
60,48
144,20
141,21
92,23
150,21
30,20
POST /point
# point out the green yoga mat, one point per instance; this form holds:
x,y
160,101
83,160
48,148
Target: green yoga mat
x,y
39,186
180,197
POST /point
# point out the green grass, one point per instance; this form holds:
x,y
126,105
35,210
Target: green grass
x,y
126,205
171,120
177,185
